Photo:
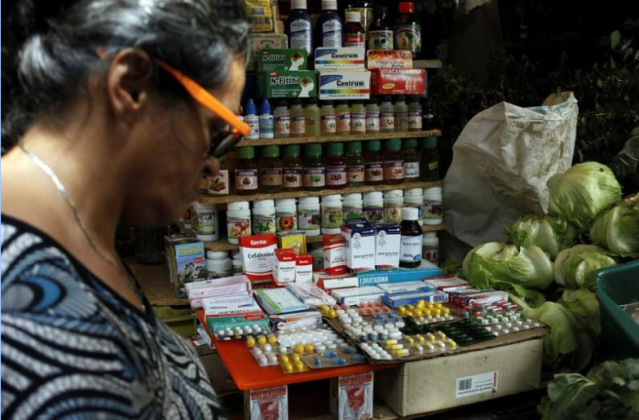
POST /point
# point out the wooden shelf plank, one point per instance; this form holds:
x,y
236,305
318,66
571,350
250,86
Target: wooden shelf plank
x,y
329,139
220,199
156,284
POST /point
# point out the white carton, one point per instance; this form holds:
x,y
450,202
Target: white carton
x,y
266,404
310,294
360,245
330,281
284,266
357,295
387,244
352,397
279,301
339,58
406,287
345,84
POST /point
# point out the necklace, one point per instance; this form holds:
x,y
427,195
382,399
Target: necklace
x,y
131,282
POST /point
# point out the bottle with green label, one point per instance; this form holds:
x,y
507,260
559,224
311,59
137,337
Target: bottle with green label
x,y
314,169
408,31
364,8
380,34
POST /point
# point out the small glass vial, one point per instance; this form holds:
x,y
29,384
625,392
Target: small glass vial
x,y
246,172
314,169
329,121
335,166
387,115
271,170
411,160
354,164
343,113
292,169
410,254
282,119
393,162
401,114
298,119
372,116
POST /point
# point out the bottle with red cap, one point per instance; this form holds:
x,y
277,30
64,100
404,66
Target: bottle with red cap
x,y
408,31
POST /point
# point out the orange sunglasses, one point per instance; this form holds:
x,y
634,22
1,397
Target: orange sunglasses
x,y
221,142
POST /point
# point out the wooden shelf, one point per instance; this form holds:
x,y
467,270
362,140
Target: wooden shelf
x,y
222,244
156,284
232,198
329,139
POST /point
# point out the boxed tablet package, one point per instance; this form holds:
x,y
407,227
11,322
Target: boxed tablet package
x,y
339,58
330,282
258,42
310,294
359,235
279,301
186,260
352,397
304,269
398,275
447,284
357,295
387,243
295,320
257,256
404,299
396,59
334,254
345,84
398,81
405,287
263,14
266,404
282,59
231,312
287,84
295,240
284,266
229,286
484,297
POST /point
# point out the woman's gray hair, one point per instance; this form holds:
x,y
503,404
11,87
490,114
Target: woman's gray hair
x,y
198,37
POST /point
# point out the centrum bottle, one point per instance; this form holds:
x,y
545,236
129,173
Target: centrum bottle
x,y
393,162
343,114
314,169
387,115
373,163
430,159
292,169
246,171
355,164
335,163
312,119
380,33
411,160
329,121
358,118
271,170
372,116
408,32
401,114
354,33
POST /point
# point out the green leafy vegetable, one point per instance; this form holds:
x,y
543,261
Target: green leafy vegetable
x,y
548,233
583,304
574,266
582,192
563,337
618,229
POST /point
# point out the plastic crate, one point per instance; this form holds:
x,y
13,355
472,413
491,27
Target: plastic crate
x,y
618,285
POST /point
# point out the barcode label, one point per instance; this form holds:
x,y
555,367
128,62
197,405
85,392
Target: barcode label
x,y
476,384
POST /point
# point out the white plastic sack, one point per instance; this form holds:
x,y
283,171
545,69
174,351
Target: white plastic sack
x,y
501,163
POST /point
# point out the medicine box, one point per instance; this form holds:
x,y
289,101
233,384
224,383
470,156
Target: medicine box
x,y
310,294
405,287
387,244
279,301
304,269
262,14
186,260
257,256
398,81
303,319
398,275
330,282
266,404
287,84
356,295
232,312
447,284
352,397
403,299
397,59
229,286
339,58
284,266
258,42
359,235
345,84
292,239
281,59
484,297
334,254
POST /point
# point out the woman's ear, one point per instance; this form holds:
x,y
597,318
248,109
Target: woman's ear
x,y
129,80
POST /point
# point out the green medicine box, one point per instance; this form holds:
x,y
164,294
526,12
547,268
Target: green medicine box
x,y
281,59
287,84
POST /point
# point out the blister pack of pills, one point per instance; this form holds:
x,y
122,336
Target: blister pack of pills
x,y
427,313
265,356
344,356
239,333
292,363
308,340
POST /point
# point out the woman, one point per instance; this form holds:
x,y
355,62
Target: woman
x,y
118,111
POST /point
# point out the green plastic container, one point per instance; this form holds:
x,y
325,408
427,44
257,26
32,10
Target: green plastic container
x,y
618,285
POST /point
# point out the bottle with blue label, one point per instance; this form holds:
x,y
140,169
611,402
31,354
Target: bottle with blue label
x,y
330,26
299,28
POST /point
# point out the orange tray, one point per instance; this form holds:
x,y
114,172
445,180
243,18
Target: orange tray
x,y
248,375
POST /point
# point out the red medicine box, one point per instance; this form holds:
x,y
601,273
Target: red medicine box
x,y
398,81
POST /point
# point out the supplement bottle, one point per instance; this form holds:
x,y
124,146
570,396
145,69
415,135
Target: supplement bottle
x,y
335,163
411,160
393,204
415,198
237,264
298,119
352,207
329,121
252,120
331,214
387,115
205,223
393,162
285,215
266,121
330,26
380,34
220,183
263,217
271,170
354,164
374,207
433,209
372,116
354,33
365,10
410,254
373,163
246,172
308,216
312,119
343,114
218,265
430,248
314,169
401,114
430,159
414,114
282,120
238,220
292,169
408,32
299,28
358,118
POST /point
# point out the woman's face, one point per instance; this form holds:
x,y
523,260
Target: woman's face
x,y
173,153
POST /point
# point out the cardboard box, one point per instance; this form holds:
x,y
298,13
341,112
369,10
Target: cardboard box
x,y
405,287
352,397
285,322
357,295
334,254
388,241
360,245
330,282
279,301
281,59
292,239
345,84
257,256
447,284
232,312
404,299
339,58
398,275
262,14
266,404
287,84
396,59
229,286
258,42
284,266
466,378
398,81
186,259
310,294
304,269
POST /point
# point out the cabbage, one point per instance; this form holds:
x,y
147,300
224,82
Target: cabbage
x,y
574,266
564,330
583,304
548,233
495,263
582,192
618,229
